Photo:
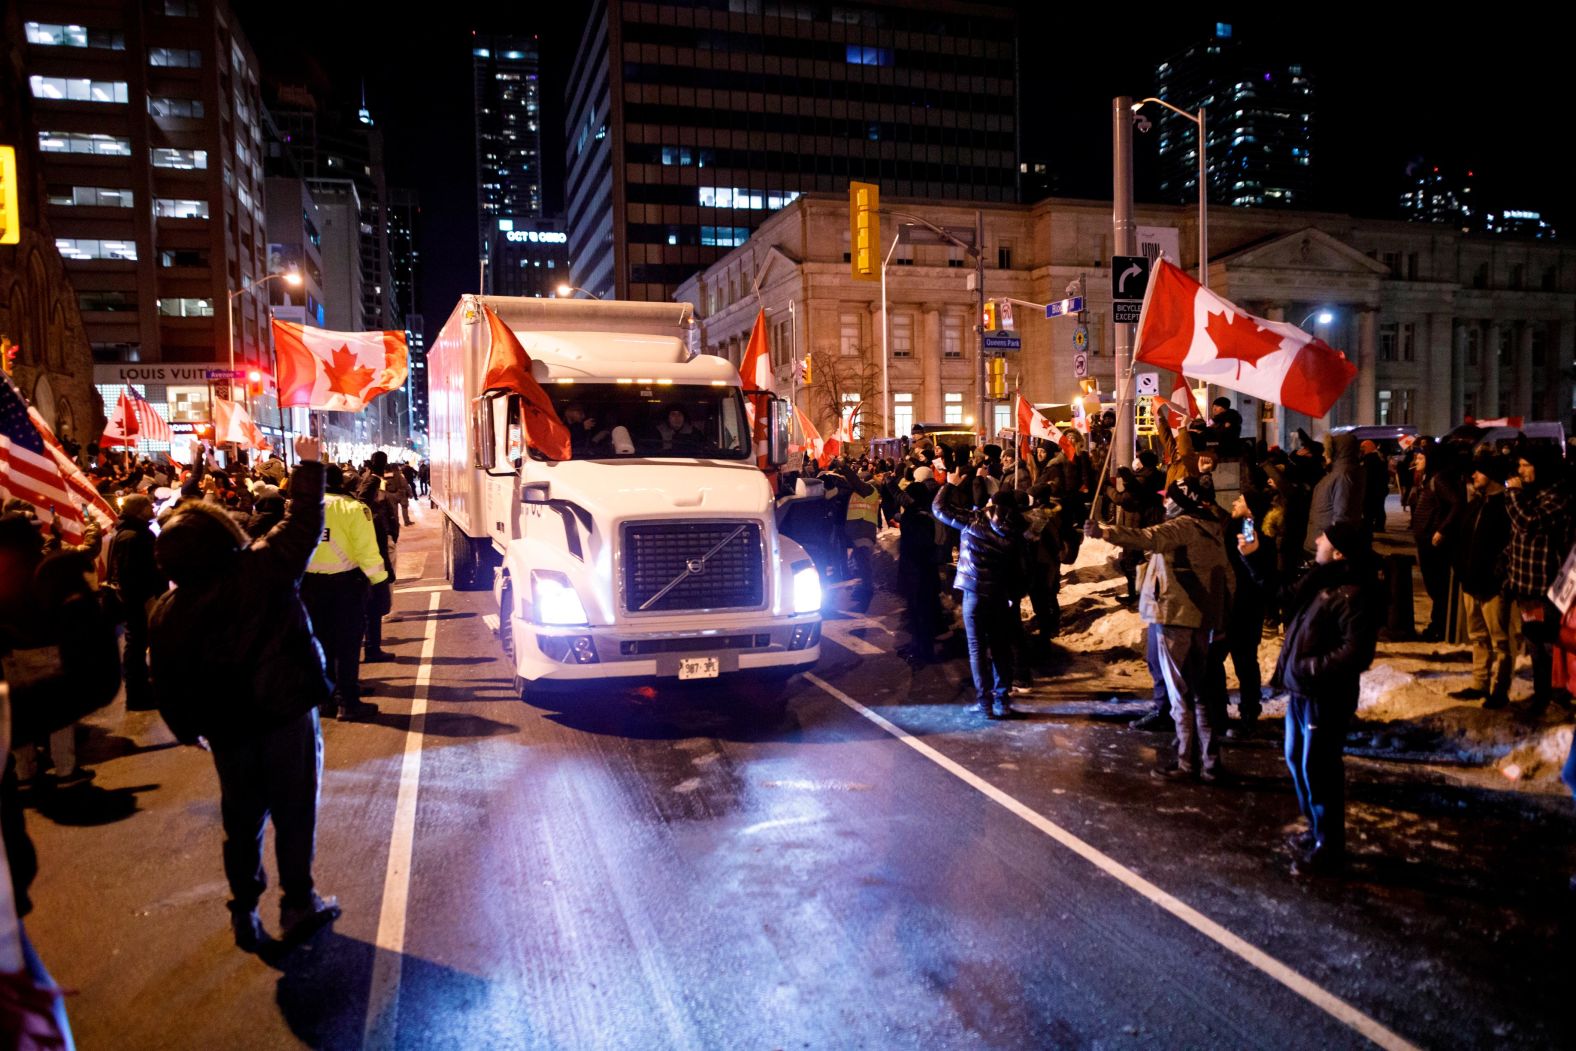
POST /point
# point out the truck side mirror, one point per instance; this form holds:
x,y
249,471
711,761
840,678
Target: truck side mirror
x,y
777,436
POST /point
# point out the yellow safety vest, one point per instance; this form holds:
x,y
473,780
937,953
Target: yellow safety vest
x,y
349,540
864,508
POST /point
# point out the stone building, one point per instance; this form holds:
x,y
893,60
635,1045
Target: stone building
x,y
1442,325
38,305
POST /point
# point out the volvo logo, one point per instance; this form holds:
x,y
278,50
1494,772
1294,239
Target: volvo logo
x,y
695,565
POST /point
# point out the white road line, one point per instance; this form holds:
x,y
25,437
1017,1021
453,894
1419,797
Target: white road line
x,y
843,637
423,589
389,945
1317,995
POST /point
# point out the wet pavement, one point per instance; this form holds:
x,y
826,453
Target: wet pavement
x,y
652,869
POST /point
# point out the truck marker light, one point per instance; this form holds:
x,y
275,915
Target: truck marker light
x,y
565,381
623,381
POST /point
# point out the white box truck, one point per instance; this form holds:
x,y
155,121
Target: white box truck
x,y
653,552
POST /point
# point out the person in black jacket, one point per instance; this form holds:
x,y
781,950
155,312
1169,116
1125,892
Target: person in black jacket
x,y
1436,512
1329,644
916,563
1479,562
235,663
992,569
135,574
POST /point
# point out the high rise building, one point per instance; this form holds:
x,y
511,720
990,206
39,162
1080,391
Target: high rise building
x,y
1433,196
147,120
688,124
405,262
529,258
1259,124
507,112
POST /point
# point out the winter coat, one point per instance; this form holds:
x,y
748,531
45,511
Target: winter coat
x,y
1330,636
991,563
916,539
1481,543
131,564
1186,582
1184,461
1437,506
1376,480
1540,537
232,650
1339,495
1044,537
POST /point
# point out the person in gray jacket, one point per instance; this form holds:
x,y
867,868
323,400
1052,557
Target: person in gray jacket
x,y
1184,593
1338,496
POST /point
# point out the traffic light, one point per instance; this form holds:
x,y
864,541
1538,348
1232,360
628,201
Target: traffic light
x,y
805,372
992,319
864,230
254,383
996,378
8,353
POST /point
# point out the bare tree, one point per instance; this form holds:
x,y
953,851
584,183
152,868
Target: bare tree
x,y
836,375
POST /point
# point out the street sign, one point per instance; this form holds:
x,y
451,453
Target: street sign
x,y
1129,277
1002,341
1005,313
1127,313
1148,383
1081,337
1071,305
223,374
1080,365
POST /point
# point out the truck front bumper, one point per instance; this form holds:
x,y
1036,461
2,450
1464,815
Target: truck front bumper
x,y
780,646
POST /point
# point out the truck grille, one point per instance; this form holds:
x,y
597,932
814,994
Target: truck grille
x,y
656,553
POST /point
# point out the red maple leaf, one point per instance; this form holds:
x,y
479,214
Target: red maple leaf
x,y
345,376
1246,341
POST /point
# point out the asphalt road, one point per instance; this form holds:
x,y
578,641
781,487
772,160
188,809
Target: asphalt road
x,y
651,870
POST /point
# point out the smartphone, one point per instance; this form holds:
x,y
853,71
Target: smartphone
x,y
1247,530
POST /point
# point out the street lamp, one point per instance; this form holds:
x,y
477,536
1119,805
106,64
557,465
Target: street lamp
x,y
1203,179
886,372
291,278
1323,316
567,291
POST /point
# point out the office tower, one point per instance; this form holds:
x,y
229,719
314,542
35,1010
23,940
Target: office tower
x,y
689,124
1259,120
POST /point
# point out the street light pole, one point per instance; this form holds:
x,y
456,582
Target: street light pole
x,y
567,291
979,319
1125,239
1199,121
886,357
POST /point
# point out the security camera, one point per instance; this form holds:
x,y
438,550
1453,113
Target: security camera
x,y
1141,122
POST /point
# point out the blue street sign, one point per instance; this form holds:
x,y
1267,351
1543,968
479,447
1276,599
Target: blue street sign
x,y
223,374
1065,306
1002,341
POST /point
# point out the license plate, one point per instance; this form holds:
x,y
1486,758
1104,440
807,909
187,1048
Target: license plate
x,y
698,667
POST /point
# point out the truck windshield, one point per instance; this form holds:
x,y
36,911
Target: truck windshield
x,y
619,420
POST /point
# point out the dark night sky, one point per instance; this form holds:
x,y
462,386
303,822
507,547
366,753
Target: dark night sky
x,y
1389,87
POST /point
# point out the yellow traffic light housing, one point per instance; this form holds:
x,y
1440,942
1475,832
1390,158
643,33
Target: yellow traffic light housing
x,y
992,319
996,378
864,230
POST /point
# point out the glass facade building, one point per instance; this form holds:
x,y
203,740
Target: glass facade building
x,y
688,124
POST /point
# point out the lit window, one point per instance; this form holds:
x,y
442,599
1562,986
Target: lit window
x,y
173,107
868,56
175,57
77,89
186,159
79,142
173,208
87,248
52,34
186,307
90,196
902,335
952,408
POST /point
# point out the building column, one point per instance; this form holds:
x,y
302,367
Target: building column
x,y
1458,377
1366,409
1522,371
1488,391
1562,353
927,349
1280,426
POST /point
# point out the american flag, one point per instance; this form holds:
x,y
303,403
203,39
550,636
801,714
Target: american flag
x,y
29,471
134,418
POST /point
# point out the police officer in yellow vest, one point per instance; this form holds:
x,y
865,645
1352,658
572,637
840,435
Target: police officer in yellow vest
x,y
345,564
859,528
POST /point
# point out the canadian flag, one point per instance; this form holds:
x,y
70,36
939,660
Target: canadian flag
x,y
337,371
1183,405
1188,329
841,438
755,371
813,443
232,423
1033,424
509,368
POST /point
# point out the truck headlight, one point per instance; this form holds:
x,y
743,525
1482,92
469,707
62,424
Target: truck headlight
x,y
806,589
554,600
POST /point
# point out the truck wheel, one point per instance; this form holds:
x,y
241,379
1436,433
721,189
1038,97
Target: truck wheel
x,y
466,570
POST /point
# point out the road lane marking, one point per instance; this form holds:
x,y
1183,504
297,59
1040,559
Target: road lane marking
x,y
423,589
843,637
389,945
1317,995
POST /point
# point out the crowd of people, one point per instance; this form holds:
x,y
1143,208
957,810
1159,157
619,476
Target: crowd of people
x,y
1226,546
270,579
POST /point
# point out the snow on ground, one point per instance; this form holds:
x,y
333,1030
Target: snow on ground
x,y
1404,711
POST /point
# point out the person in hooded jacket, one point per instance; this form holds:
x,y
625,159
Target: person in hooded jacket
x,y
1338,496
380,596
917,564
992,569
1334,624
1138,505
1542,511
236,618
1376,485
1184,594
135,575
